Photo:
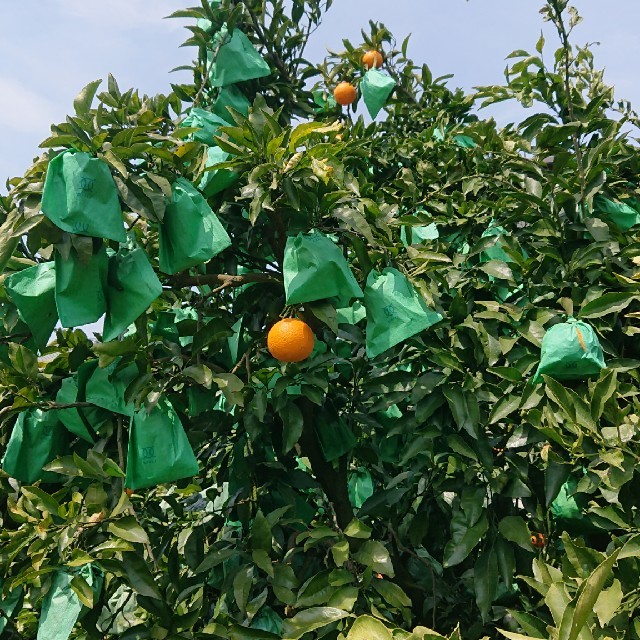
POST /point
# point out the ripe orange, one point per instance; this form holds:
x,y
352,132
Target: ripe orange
x,y
345,93
538,540
372,59
290,340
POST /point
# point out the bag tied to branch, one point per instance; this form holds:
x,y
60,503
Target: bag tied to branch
x,y
32,290
81,197
570,351
190,232
159,450
237,60
376,88
395,311
314,268
132,286
80,287
38,437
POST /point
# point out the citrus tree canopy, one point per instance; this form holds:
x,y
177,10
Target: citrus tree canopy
x,y
353,378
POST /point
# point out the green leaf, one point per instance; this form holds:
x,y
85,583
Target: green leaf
x,y
82,102
201,374
262,561
603,391
292,423
588,595
485,581
340,552
465,409
128,529
139,576
497,269
309,620
82,589
606,304
24,361
608,603
242,587
374,554
514,529
463,541
357,529
261,533
392,593
368,628
41,500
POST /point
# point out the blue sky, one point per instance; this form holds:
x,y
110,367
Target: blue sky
x,y
50,49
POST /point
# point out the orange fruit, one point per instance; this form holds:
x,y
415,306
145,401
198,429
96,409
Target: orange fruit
x,y
290,340
129,492
538,540
372,59
345,93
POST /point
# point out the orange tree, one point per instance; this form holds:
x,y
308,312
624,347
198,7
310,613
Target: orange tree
x,y
409,478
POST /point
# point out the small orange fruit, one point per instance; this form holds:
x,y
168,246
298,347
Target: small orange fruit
x,y
345,93
290,340
129,492
372,59
539,540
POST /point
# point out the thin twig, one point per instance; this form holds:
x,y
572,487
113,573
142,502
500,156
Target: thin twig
x,y
10,622
228,280
564,39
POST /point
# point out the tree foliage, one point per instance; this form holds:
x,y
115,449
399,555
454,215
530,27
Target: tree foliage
x,y
424,527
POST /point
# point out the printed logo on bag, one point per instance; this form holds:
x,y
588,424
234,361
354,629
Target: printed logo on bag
x,y
389,311
86,185
571,365
148,455
80,227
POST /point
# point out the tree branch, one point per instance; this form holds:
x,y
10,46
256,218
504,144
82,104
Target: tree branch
x,y
228,280
334,483
267,45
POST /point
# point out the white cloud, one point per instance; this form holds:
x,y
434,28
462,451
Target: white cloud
x,y
122,14
24,110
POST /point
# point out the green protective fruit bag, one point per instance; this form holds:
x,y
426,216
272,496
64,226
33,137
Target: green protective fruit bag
x,y
33,291
132,287
237,60
314,268
190,232
418,234
325,101
565,506
61,607
80,287
464,141
230,98
38,437
71,418
207,123
106,387
395,311
376,88
351,315
621,214
334,435
496,252
8,604
216,180
360,487
159,450
81,197
570,351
